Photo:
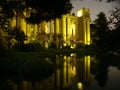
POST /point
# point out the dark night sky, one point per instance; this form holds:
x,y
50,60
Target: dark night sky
x,y
94,6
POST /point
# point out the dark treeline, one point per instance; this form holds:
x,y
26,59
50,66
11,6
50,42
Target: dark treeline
x,y
105,32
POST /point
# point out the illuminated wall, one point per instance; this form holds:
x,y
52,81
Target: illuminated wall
x,y
76,28
72,28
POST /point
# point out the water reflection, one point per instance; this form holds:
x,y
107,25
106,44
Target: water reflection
x,y
75,72
101,69
72,72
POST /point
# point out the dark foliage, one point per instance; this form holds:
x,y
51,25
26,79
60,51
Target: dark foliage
x,y
47,9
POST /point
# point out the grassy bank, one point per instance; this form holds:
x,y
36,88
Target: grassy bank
x,y
25,65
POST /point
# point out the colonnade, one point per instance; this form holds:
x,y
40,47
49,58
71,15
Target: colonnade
x,y
77,27
69,25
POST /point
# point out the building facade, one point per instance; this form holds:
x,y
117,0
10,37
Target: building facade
x,y
73,28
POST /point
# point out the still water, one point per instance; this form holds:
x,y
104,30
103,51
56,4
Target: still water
x,y
74,72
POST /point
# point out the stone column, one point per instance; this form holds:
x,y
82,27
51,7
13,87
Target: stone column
x,y
43,26
46,27
88,33
51,26
56,26
76,30
84,31
80,35
64,27
36,29
87,68
68,30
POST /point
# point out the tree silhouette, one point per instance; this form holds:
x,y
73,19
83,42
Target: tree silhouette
x,y
47,9
99,29
38,11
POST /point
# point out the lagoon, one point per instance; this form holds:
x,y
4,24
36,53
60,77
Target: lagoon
x,y
71,72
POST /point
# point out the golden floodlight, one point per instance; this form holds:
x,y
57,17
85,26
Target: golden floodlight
x,y
79,13
80,86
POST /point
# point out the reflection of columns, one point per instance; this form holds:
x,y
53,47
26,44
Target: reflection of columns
x,y
58,77
84,31
87,68
56,26
64,71
37,85
88,32
80,70
83,72
29,84
51,26
69,71
88,63
14,86
24,85
64,27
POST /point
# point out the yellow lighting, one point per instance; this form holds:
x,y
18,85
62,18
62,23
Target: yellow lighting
x,y
80,86
73,71
72,54
79,13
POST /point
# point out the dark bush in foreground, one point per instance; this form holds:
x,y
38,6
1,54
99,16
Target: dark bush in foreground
x,y
25,66
28,47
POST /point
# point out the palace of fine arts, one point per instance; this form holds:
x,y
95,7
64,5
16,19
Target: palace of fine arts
x,y
68,30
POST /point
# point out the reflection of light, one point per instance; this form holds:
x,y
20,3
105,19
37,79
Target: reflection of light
x,y
73,71
79,13
64,44
80,86
87,67
32,29
64,57
46,28
71,47
72,54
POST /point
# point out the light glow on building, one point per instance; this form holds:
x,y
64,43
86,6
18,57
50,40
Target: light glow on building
x,y
77,27
79,13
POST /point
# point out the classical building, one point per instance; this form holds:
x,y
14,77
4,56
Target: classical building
x,y
73,28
